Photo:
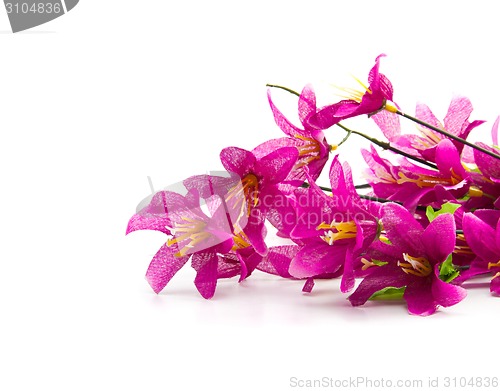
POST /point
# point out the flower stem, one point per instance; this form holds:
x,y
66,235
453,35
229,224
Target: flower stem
x,y
388,146
447,134
283,88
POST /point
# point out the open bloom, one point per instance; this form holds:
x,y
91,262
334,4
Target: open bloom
x,y
333,230
482,233
206,240
412,184
424,144
369,101
309,141
410,257
254,194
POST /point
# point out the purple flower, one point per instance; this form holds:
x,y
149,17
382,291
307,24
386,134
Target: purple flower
x,y
412,257
333,230
424,145
207,241
258,191
310,142
482,233
370,101
411,184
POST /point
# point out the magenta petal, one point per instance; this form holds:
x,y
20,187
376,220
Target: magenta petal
x,y
205,263
317,258
272,145
381,277
237,160
163,267
448,159
402,229
278,260
347,282
495,286
255,231
425,114
419,298
307,103
439,238
275,167
151,217
389,124
458,113
283,123
494,131
249,260
308,286
481,238
444,293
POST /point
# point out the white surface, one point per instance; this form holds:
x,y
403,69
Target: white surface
x,y
114,91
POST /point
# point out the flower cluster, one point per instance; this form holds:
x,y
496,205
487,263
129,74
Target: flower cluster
x,y
428,223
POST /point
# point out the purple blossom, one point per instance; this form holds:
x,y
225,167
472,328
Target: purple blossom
x,y
412,257
309,141
333,230
424,144
370,101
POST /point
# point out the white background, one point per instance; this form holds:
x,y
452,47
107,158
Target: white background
x,y
95,101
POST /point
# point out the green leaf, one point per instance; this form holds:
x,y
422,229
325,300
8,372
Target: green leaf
x,y
389,293
449,207
447,271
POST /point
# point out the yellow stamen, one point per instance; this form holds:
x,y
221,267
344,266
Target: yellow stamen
x,y
491,264
418,266
428,181
240,240
475,191
338,231
192,233
384,239
366,264
246,193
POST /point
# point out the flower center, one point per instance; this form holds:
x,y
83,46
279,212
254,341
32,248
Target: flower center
x,y
191,233
353,93
338,230
240,240
245,193
418,266
308,151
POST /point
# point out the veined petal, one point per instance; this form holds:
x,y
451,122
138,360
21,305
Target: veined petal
x,y
278,260
444,293
402,229
419,298
459,112
163,267
237,160
283,123
381,277
439,238
205,263
448,159
481,238
274,168
307,103
317,258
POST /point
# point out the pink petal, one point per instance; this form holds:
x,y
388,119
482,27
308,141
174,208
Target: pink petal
x,y
205,263
274,168
381,277
237,160
163,267
444,293
419,297
439,238
283,123
307,103
459,111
